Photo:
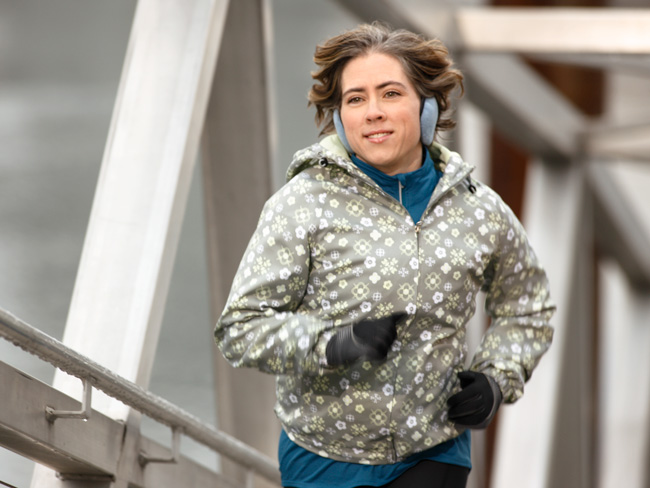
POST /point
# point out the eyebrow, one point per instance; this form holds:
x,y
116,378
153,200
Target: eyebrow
x,y
379,87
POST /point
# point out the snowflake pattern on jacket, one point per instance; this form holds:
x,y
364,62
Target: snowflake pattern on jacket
x,y
332,248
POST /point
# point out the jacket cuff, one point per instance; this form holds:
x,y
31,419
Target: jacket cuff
x,y
509,378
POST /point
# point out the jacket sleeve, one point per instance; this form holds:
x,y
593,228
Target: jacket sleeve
x,y
261,325
518,303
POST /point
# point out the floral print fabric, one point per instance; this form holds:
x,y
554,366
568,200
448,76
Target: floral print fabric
x,y
331,248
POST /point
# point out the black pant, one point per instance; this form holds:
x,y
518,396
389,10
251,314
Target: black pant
x,y
430,474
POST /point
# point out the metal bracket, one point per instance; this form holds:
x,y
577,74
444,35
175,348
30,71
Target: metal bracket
x,y
143,459
84,477
84,414
250,478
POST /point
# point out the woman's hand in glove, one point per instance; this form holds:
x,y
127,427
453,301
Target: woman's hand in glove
x,y
478,401
368,339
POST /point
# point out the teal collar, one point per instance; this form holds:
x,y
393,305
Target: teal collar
x,y
413,190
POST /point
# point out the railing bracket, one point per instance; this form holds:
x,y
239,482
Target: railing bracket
x,y
84,477
84,414
144,459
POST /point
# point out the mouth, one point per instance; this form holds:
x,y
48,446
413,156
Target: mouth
x,y
378,136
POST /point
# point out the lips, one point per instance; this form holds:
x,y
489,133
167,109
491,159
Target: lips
x,y
377,136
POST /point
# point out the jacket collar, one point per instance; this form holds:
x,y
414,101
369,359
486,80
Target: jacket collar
x,y
330,150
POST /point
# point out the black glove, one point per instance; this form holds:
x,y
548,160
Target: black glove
x,y
477,402
368,339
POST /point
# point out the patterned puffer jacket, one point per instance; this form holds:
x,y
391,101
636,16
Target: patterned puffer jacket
x,y
332,248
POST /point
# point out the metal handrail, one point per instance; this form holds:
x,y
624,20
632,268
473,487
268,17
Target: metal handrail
x,y
68,360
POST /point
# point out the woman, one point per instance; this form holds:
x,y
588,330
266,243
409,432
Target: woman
x,y
358,283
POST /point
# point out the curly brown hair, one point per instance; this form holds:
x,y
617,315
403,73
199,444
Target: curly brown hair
x,y
426,63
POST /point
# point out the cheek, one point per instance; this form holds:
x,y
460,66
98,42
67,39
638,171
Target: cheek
x,y
350,122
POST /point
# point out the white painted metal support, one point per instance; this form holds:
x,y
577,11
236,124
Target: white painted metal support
x,y
237,157
528,452
624,424
51,414
626,142
474,145
619,231
66,446
554,30
250,479
45,347
144,458
128,255
83,454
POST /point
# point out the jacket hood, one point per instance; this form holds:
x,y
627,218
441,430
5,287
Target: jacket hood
x,y
330,150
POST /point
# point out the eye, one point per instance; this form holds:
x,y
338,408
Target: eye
x,y
392,94
354,99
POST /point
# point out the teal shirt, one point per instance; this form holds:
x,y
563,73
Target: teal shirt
x,y
413,190
301,468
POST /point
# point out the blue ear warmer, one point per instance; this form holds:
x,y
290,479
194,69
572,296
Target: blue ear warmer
x,y
340,131
428,121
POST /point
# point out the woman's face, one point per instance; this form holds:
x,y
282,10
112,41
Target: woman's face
x,y
380,111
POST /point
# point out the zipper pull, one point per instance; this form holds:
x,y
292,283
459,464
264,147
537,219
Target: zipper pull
x,y
400,186
418,226
470,185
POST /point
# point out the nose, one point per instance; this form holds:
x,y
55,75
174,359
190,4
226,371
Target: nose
x,y
375,111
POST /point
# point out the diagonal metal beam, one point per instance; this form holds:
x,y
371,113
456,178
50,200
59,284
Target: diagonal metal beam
x,y
371,10
524,107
